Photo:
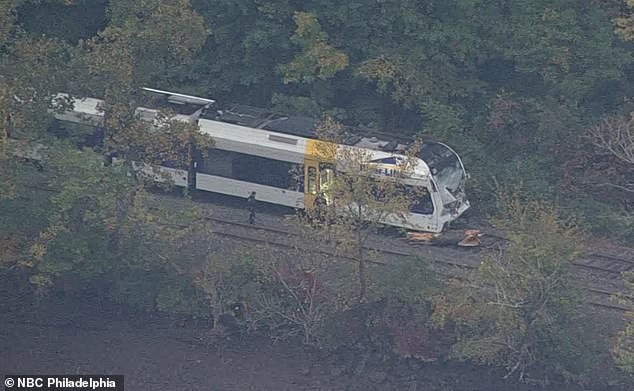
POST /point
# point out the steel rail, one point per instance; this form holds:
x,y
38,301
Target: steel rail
x,y
399,253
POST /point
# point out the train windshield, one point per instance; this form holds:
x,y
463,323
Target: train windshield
x,y
447,171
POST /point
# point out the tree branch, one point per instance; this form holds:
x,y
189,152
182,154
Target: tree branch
x,y
615,135
615,186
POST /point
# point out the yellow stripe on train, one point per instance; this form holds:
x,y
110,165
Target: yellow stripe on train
x,y
317,153
322,151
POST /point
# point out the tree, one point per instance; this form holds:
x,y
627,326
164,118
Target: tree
x,y
601,172
240,58
612,170
625,24
623,350
95,211
519,309
104,226
404,291
31,69
7,22
96,221
614,136
300,289
7,161
318,60
226,280
87,209
140,43
362,199
164,141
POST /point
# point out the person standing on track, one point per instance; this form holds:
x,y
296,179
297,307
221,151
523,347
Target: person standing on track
x,y
320,205
251,201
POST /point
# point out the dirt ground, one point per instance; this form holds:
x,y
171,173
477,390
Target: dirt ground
x,y
77,335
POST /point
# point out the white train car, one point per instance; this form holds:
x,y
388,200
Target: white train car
x,y
276,157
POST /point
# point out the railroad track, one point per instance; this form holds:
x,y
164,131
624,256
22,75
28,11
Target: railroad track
x,y
614,265
605,263
611,264
266,238
271,236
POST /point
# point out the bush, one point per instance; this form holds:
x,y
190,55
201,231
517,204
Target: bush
x,y
519,309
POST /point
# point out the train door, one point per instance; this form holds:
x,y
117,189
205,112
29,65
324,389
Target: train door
x,y
326,178
318,178
311,182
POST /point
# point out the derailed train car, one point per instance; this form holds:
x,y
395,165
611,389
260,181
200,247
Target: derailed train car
x,y
279,157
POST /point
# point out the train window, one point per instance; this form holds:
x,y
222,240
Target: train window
x,y
423,203
297,177
326,178
311,183
248,168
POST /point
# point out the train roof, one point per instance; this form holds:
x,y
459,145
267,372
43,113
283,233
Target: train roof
x,y
433,153
300,126
258,118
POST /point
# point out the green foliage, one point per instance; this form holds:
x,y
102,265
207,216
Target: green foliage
x,y
75,250
8,170
67,20
74,134
601,216
23,210
411,281
181,297
7,20
625,24
140,43
24,96
88,204
240,58
318,59
101,221
166,139
520,311
101,225
623,349
360,200
512,85
226,280
171,27
295,104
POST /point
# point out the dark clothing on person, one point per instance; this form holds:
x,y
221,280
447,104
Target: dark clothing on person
x,y
251,201
319,204
319,201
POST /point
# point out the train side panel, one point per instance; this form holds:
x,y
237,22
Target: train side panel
x,y
237,188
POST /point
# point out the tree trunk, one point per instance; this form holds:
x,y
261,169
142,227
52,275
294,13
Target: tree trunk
x,y
362,272
191,168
